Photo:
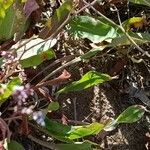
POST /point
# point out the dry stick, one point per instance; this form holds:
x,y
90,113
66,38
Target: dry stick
x,y
129,37
60,68
122,29
66,58
86,6
75,109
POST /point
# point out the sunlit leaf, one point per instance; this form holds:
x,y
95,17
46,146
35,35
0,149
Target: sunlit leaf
x,y
86,130
4,5
134,22
88,80
130,115
14,22
92,29
142,2
7,89
35,52
69,133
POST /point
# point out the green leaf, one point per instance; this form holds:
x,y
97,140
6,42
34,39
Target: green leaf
x,y
8,89
130,115
57,19
69,133
77,146
57,130
86,130
92,29
53,106
90,79
35,52
13,145
142,2
136,22
139,38
2,12
4,5
13,22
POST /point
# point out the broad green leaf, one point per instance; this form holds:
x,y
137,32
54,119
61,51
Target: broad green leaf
x,y
92,29
76,146
8,89
86,130
57,130
130,115
142,2
13,22
53,106
88,80
69,133
13,145
4,5
57,19
2,12
139,38
34,52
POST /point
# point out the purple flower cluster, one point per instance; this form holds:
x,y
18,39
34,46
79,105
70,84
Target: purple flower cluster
x,y
39,117
21,93
9,58
11,64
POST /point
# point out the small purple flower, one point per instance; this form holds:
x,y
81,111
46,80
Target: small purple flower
x,y
39,117
27,110
21,93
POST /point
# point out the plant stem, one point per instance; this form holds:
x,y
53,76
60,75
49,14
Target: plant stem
x,y
61,67
122,29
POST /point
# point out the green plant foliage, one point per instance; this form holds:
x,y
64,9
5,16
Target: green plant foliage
x,y
13,145
35,52
13,22
77,146
88,80
8,89
136,22
141,2
53,106
69,133
83,131
92,29
4,5
139,38
57,130
130,115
